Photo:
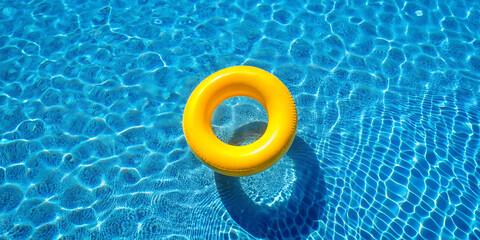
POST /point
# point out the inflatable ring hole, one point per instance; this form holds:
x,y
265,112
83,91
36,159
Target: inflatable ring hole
x,y
235,112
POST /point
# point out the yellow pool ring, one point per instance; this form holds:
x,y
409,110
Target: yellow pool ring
x,y
248,82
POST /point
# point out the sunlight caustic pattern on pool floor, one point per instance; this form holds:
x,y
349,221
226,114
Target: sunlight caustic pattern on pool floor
x,y
92,95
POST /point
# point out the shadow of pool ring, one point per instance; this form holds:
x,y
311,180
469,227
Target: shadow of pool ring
x,y
243,81
299,215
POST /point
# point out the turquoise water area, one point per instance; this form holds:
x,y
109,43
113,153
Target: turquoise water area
x,y
92,95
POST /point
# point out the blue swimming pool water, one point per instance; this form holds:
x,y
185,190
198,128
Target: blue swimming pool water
x,y
92,95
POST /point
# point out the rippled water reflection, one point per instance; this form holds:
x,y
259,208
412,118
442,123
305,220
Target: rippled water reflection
x,y
92,95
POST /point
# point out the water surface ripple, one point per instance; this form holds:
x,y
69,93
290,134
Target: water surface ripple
x,y
92,95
